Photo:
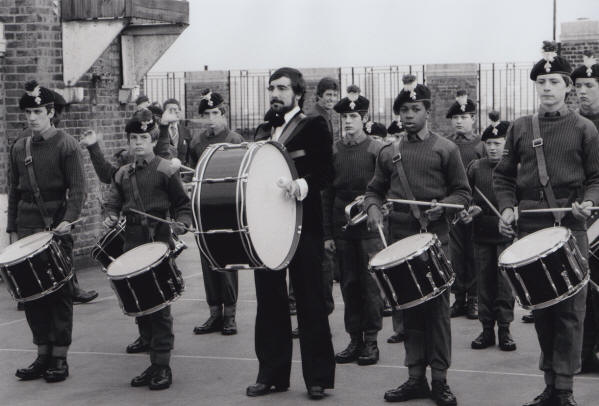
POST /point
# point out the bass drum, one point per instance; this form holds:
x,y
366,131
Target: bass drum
x,y
243,219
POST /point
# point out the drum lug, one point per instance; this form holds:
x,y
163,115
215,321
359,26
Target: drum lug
x,y
523,285
51,275
14,282
429,276
134,295
158,285
574,258
414,278
564,275
39,282
548,275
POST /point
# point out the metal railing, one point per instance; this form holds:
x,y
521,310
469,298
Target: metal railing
x,y
162,86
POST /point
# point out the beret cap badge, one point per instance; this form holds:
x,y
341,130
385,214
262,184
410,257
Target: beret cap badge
x,y
409,82
589,60
549,54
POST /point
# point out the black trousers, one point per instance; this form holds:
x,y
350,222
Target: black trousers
x,y
590,337
50,318
221,287
461,255
273,323
495,296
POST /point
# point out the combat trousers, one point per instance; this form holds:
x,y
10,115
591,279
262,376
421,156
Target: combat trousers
x,y
50,318
156,328
461,255
330,265
361,295
495,296
221,287
560,330
591,324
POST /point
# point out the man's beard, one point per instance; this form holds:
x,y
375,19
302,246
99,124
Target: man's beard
x,y
281,108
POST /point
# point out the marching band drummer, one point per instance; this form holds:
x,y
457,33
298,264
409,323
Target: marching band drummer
x,y
495,296
566,160
42,167
152,185
424,166
586,82
308,141
221,287
354,157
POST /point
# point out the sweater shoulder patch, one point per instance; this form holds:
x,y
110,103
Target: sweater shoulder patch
x,y
166,167
121,173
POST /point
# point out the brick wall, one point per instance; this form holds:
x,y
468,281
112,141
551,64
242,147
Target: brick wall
x,y
34,50
444,81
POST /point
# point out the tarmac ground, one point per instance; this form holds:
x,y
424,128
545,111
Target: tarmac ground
x,y
215,370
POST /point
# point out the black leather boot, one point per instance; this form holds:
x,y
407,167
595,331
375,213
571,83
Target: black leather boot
x,y
442,395
413,388
484,340
35,370
137,346
229,326
506,342
369,354
58,370
162,378
545,398
143,379
351,353
213,324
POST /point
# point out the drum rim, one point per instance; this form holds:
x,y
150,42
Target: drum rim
x,y
153,309
560,298
46,292
137,272
413,255
31,254
428,297
119,228
543,254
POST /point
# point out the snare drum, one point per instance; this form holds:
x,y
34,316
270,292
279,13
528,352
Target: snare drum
x,y
145,279
544,268
593,237
243,219
412,271
35,266
110,245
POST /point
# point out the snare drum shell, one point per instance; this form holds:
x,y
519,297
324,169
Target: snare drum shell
x,y
40,273
150,289
112,244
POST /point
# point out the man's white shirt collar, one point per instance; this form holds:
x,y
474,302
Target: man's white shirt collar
x,y
287,117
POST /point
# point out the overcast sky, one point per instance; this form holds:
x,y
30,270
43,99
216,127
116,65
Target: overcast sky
x,y
262,34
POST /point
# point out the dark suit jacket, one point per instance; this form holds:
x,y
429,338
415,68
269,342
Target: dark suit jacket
x,y
182,145
309,143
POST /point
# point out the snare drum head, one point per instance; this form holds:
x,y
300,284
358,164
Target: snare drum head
x,y
534,245
137,258
25,246
272,219
593,231
398,251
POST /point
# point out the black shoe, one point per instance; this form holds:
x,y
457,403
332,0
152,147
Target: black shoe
x,y
546,398
82,296
411,389
396,338
229,326
590,364
387,311
369,354
292,309
162,378
295,332
261,389
316,392
472,309
564,398
442,395
506,342
458,308
351,353
528,318
143,379
35,370
58,370
213,324
138,346
484,340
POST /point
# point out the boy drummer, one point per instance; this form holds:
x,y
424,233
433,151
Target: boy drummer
x,y
42,167
421,165
150,184
556,167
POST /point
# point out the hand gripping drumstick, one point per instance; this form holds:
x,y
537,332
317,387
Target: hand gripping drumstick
x,y
431,204
382,234
141,213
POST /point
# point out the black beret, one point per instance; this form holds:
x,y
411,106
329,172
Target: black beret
x,y
353,102
373,128
462,105
551,62
395,128
411,92
142,122
35,96
209,100
59,102
156,109
141,99
588,69
497,129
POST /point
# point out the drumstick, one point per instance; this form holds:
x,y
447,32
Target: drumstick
x,y
493,209
382,234
141,213
553,209
431,204
187,169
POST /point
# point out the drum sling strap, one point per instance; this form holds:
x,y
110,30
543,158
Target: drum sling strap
x,y
139,203
405,185
37,195
537,144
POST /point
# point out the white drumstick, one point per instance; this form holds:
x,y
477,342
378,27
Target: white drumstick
x,y
382,234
